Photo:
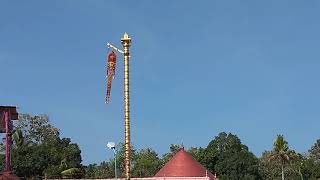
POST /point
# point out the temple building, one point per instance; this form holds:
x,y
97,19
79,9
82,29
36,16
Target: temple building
x,y
182,166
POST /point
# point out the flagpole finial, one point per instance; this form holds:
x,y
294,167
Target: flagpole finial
x,y
126,36
126,40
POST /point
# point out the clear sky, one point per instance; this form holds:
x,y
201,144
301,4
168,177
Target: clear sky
x,y
198,68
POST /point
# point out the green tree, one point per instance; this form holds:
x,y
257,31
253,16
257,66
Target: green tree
x,y
281,153
106,168
146,163
310,170
174,148
18,138
2,161
38,150
103,171
197,153
120,156
91,171
230,159
60,155
72,173
310,164
270,167
314,152
281,162
268,170
36,129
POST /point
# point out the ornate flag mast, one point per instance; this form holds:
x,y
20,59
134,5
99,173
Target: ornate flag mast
x,y
126,42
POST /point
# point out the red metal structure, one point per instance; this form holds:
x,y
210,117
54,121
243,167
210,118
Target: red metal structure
x,y
7,115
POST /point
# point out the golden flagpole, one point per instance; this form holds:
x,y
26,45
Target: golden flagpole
x,y
126,42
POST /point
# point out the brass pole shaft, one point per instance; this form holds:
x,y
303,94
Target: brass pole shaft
x,y
126,41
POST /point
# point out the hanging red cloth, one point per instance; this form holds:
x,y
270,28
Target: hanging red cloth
x,y
111,69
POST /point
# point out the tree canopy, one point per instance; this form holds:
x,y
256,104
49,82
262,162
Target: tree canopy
x,y
38,151
229,158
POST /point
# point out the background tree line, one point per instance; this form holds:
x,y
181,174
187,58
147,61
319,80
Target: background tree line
x,y
226,156
39,151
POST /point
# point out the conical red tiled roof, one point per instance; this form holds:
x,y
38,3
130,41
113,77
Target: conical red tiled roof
x,y
183,165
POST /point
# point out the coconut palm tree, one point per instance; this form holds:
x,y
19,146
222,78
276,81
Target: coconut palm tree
x,y
281,152
18,138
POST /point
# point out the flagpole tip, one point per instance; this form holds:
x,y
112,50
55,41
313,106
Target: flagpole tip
x,y
125,37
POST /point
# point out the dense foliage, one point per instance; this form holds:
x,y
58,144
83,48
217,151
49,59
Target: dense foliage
x,y
226,156
39,151
230,159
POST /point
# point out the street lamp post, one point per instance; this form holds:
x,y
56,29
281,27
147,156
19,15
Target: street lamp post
x,y
112,146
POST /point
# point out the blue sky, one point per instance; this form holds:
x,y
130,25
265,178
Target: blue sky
x,y
198,68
